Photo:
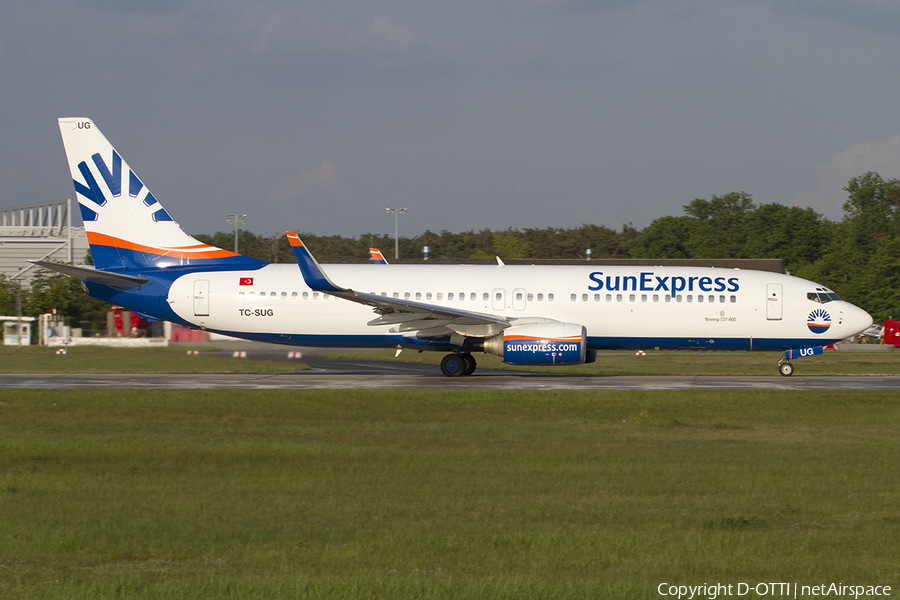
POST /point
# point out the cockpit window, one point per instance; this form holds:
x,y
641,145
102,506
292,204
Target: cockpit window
x,y
822,296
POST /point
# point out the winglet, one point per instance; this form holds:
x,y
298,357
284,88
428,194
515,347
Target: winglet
x,y
377,256
313,274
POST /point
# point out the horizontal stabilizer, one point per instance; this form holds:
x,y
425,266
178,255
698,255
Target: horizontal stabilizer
x,y
93,275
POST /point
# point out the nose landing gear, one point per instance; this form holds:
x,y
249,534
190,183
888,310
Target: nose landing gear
x,y
785,368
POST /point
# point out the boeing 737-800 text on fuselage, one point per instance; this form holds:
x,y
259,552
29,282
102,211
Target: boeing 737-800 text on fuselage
x,y
528,315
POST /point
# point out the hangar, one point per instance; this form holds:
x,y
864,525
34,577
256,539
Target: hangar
x,y
39,232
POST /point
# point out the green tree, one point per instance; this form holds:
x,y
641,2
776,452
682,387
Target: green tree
x,y
50,291
858,262
8,291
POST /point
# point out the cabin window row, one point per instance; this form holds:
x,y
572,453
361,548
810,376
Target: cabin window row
x,y
472,296
711,298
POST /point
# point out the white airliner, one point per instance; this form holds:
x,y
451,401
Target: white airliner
x,y
528,315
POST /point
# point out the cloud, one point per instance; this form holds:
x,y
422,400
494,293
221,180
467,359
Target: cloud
x,y
584,5
323,179
881,156
292,36
136,6
881,16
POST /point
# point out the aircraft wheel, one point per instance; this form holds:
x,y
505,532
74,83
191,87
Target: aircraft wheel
x,y
470,364
786,369
453,365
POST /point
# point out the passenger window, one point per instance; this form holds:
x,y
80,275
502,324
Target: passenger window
x,y
293,295
450,296
272,294
618,297
572,297
519,296
596,297
240,293
733,299
428,295
472,296
584,297
678,298
540,297
462,295
656,297
315,295
549,297
699,298
284,295
486,297
722,299
252,294
609,297
643,297
440,295
262,294
406,295
631,297
530,297
690,297
306,295
668,298
324,296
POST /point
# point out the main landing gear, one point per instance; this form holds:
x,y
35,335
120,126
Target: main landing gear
x,y
457,365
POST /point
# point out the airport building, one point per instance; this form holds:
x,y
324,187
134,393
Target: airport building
x,y
39,232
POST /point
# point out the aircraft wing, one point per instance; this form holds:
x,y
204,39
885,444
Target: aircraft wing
x,y
93,275
408,315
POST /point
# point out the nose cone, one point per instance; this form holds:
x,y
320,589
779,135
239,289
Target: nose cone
x,y
854,319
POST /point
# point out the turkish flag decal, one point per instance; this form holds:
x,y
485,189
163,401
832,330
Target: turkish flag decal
x,y
246,281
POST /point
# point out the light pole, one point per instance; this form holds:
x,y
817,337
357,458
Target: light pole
x,y
236,219
397,212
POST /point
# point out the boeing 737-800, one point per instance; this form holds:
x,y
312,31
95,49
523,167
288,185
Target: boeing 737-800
x,y
528,315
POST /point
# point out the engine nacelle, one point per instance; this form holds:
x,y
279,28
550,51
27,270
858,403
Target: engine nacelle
x,y
550,343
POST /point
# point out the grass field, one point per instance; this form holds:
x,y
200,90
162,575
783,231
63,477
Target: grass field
x,y
436,494
96,359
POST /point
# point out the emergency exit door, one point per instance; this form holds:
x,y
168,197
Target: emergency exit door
x,y
773,302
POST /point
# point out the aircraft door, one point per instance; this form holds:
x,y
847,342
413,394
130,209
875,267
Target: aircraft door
x,y
518,299
201,298
498,299
773,302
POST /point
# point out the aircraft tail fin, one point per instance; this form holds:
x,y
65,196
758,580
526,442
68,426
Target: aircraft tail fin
x,y
377,256
127,227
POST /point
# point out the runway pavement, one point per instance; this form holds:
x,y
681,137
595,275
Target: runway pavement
x,y
340,374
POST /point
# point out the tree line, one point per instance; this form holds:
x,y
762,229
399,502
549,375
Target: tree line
x,y
858,257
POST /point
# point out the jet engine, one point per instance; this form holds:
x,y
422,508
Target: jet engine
x,y
547,343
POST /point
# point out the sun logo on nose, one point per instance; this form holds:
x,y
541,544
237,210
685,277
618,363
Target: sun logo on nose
x,y
818,321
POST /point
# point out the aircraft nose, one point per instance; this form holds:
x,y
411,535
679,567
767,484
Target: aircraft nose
x,y
856,319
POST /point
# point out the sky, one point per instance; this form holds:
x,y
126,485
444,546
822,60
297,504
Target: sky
x,y
316,116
